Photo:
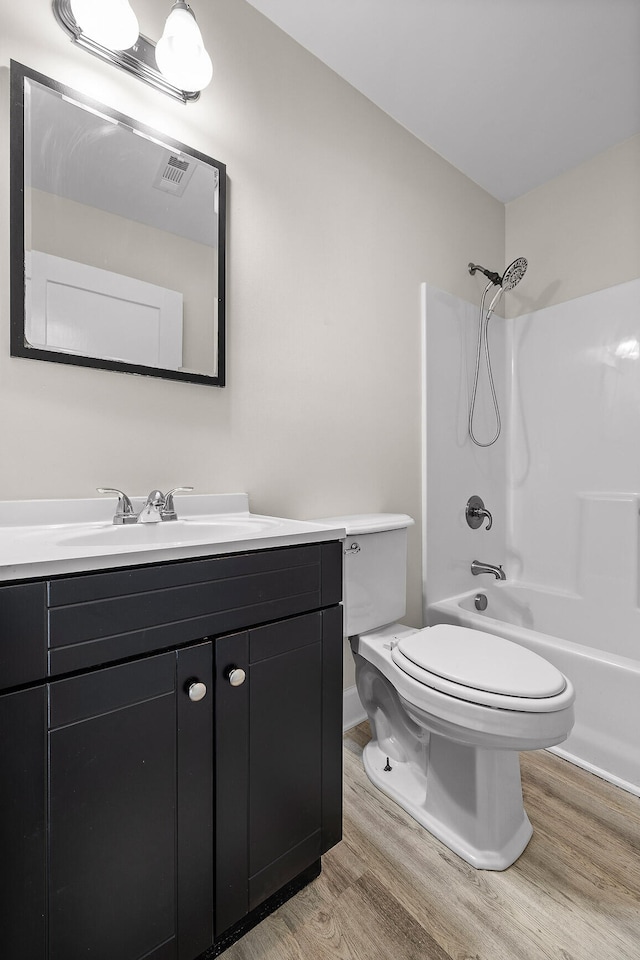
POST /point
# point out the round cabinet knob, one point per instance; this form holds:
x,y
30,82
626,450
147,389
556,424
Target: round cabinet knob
x,y
236,676
197,691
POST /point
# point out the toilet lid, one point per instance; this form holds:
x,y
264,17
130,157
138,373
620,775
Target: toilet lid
x,y
480,661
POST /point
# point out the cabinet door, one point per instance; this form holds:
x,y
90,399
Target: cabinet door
x,y
22,824
285,753
277,793
130,851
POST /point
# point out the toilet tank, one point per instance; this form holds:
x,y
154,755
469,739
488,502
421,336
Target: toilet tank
x,y
375,569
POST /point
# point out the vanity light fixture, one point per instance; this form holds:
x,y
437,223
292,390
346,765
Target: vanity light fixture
x,y
180,52
178,64
113,25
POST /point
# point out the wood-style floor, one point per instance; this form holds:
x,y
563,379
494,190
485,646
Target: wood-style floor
x,y
390,891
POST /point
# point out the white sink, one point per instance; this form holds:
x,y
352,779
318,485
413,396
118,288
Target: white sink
x,y
201,530
50,537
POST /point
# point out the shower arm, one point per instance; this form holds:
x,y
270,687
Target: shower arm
x,y
495,278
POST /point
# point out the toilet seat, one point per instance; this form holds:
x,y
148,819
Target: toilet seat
x,y
462,713
481,668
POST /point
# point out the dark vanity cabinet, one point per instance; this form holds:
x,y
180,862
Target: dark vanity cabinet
x,y
170,751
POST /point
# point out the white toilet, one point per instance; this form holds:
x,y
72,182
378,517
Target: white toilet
x,y
449,707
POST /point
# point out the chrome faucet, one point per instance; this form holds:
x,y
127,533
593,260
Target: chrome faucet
x,y
152,510
478,567
158,506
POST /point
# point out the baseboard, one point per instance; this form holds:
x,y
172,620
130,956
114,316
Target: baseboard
x,y
353,712
633,788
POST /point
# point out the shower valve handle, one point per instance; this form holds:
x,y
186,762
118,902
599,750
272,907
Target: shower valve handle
x,y
476,513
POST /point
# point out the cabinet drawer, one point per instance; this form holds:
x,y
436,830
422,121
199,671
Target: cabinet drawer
x,y
23,632
109,616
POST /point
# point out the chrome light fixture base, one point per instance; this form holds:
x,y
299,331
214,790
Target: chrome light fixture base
x,y
140,59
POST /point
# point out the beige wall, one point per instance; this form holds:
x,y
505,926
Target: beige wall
x,y
335,216
580,232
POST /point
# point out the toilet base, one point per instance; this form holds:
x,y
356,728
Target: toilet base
x,y
468,797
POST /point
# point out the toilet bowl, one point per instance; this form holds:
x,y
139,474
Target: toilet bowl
x,y
449,707
448,753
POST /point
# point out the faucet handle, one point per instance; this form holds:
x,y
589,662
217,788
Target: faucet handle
x,y
168,510
124,511
476,513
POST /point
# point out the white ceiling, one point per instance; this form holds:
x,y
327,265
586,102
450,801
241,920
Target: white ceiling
x,y
511,92
73,152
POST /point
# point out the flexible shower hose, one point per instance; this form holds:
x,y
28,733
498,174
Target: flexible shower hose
x,y
483,325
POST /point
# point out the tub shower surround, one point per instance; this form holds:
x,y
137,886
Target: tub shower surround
x,y
563,484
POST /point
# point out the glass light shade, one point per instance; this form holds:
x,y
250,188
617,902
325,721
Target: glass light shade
x,y
111,23
180,52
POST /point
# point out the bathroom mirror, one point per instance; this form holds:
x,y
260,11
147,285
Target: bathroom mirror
x,y
117,240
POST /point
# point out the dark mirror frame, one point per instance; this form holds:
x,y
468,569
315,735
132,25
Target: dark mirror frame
x,y
19,345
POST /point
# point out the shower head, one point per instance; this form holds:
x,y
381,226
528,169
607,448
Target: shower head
x,y
514,274
510,278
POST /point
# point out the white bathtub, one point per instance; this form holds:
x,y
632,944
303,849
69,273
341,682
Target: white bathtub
x,y
598,650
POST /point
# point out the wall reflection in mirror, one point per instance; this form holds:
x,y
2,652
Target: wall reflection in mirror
x,y
117,240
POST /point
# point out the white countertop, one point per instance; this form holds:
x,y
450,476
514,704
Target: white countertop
x,y
42,538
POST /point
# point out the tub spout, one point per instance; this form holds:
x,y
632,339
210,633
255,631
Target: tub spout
x,y
479,567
